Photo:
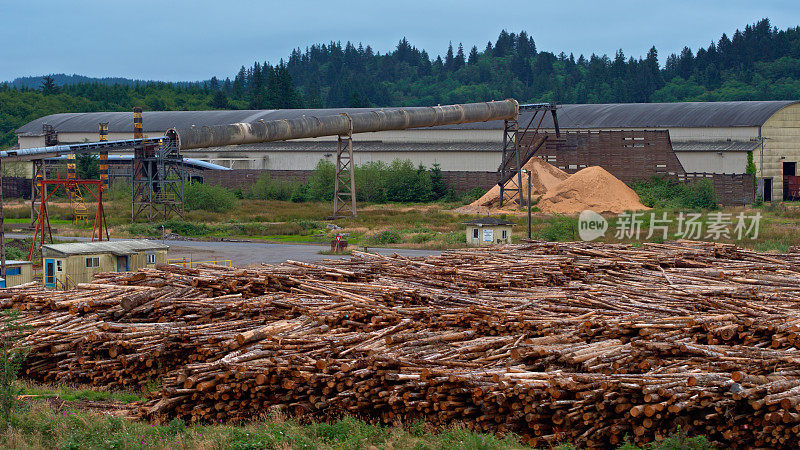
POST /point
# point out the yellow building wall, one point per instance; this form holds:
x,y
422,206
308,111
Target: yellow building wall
x,y
75,265
139,260
25,275
782,139
497,233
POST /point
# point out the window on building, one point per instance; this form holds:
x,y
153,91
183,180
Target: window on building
x,y
505,234
151,258
475,233
59,266
13,271
92,262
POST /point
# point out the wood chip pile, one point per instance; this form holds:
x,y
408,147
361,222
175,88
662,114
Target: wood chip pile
x,y
577,342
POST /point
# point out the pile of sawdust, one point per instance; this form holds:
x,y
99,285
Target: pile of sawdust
x,y
561,193
543,177
590,188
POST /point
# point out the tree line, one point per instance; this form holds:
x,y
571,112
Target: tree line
x,y
760,62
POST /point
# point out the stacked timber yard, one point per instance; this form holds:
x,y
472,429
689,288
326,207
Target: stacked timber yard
x,y
583,343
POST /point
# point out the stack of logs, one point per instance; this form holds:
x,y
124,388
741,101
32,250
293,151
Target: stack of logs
x,y
577,342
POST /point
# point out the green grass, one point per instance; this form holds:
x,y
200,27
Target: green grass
x,y
69,394
38,425
416,225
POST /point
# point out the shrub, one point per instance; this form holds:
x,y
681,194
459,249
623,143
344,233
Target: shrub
x,y
176,226
658,192
15,253
198,196
11,332
265,188
371,182
558,229
320,184
386,237
472,195
377,182
406,184
184,228
299,193
266,229
308,224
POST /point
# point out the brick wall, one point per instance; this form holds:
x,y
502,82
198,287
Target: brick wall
x,y
731,189
628,155
16,187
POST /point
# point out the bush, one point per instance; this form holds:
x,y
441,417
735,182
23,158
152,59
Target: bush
x,y
472,195
176,226
371,182
11,332
386,237
659,192
320,184
198,196
558,229
16,253
406,184
266,229
308,224
300,193
265,188
184,228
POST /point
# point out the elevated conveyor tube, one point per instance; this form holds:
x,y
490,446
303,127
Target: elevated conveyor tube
x,y
343,124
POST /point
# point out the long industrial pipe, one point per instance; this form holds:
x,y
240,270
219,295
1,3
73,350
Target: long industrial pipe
x,y
343,124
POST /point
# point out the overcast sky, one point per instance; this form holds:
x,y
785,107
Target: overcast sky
x,y
182,40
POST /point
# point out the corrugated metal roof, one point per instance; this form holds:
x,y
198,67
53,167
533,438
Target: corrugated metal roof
x,y
661,115
617,115
488,221
16,262
120,247
714,146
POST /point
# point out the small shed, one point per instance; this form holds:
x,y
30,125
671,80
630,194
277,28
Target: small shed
x,y
68,264
17,272
488,230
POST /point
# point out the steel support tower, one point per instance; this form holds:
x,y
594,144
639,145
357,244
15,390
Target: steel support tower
x,y
344,184
510,171
39,173
157,177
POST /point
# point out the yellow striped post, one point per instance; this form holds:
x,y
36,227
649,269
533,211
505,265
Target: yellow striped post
x,y
71,166
137,123
104,156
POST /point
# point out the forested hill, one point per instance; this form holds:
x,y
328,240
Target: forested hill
x,y
62,79
757,63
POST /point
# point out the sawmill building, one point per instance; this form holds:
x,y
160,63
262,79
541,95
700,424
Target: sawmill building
x,y
707,137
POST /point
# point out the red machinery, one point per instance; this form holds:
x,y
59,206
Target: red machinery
x,y
792,187
43,221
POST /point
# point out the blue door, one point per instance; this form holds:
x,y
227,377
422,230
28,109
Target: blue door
x,y
49,273
122,263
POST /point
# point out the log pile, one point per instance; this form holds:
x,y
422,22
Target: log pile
x,y
577,342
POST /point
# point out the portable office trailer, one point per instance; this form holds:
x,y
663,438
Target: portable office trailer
x,y
488,231
66,265
17,272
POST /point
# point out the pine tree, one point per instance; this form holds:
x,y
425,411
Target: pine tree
x,y
473,56
459,60
219,101
449,64
49,85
